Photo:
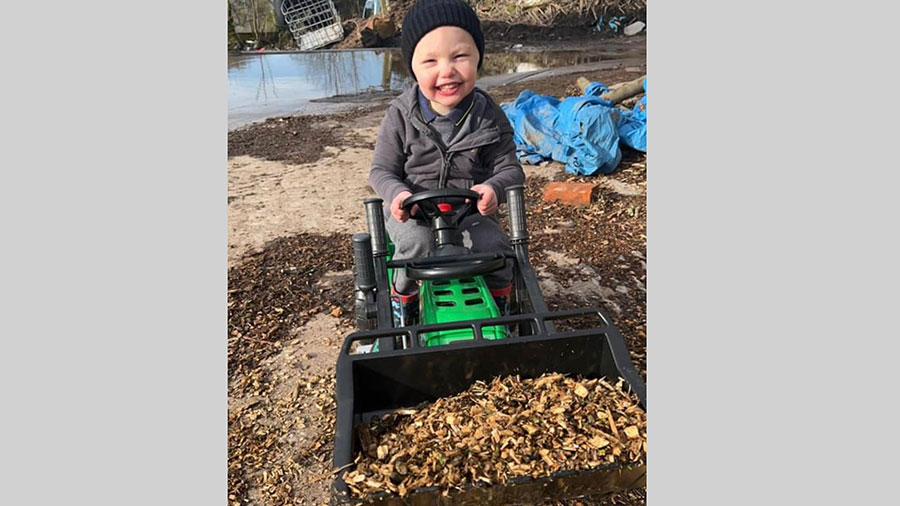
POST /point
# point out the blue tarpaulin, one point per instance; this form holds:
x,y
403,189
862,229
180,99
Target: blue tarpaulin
x,y
632,125
582,132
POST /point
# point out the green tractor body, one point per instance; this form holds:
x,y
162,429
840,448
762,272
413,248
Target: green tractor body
x,y
453,300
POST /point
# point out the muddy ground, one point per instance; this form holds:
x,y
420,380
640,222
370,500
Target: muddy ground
x,y
295,191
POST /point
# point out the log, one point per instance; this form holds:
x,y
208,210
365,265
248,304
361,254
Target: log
x,y
384,27
617,92
375,31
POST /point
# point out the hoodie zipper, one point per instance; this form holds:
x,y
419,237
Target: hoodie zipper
x,y
445,172
446,155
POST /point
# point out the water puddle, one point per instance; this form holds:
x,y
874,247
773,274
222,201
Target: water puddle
x,y
265,85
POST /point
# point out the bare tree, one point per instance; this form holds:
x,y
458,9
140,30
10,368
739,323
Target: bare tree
x,y
232,33
257,15
256,19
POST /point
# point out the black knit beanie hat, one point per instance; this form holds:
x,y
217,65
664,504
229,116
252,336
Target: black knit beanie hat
x,y
426,15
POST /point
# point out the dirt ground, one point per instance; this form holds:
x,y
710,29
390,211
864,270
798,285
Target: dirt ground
x,y
295,192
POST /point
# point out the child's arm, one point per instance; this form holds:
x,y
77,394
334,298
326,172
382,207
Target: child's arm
x,y
387,175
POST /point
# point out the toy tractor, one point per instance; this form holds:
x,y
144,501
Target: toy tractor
x,y
462,338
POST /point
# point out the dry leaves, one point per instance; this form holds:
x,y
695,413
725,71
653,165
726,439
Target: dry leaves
x,y
550,13
496,431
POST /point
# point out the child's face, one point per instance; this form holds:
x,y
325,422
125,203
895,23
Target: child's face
x,y
445,63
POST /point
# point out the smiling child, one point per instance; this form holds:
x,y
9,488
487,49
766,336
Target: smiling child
x,y
444,133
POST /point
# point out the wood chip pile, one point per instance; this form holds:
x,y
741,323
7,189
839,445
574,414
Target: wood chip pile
x,y
496,431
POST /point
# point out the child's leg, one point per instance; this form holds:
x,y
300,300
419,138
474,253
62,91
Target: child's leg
x,y
482,234
411,239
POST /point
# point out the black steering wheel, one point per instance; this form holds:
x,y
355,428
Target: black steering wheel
x,y
451,203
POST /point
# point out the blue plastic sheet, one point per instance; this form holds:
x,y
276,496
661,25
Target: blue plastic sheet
x,y
581,132
632,124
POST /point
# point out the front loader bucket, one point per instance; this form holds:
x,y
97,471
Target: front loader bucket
x,y
376,383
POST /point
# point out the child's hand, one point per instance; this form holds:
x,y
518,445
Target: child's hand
x,y
397,212
487,204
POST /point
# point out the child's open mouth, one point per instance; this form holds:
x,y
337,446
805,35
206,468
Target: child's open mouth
x,y
447,89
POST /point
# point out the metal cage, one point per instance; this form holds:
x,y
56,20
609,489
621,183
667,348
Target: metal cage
x,y
313,23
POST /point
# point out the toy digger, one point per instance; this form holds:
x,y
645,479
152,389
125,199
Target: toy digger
x,y
462,338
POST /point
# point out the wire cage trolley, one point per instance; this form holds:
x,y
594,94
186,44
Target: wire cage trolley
x,y
313,23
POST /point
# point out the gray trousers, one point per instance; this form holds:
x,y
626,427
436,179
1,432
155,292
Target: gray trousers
x,y
479,233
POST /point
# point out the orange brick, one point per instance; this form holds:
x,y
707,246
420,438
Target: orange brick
x,y
576,194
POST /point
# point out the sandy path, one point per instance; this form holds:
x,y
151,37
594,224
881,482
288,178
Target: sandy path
x,y
268,199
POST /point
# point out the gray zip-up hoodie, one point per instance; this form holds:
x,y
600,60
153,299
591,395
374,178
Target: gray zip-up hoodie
x,y
411,156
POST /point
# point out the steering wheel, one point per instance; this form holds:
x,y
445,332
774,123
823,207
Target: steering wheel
x,y
451,204
448,202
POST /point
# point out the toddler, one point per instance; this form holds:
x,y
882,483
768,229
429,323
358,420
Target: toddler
x,y
444,133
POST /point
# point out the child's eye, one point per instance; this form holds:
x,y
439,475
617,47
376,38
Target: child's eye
x,y
429,61
462,55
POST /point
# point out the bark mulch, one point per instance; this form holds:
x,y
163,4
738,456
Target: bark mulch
x,y
298,139
499,430
609,237
275,290
269,294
